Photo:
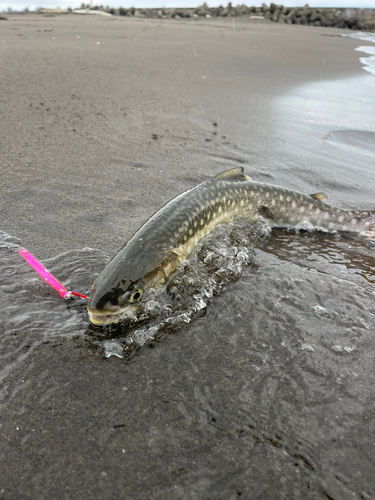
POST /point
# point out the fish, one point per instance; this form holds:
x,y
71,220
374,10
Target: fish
x,y
151,257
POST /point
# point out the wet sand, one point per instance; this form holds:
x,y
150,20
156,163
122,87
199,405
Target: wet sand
x,y
103,121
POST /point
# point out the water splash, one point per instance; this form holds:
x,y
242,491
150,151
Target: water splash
x,y
218,262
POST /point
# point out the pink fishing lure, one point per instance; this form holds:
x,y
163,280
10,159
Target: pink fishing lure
x,y
47,276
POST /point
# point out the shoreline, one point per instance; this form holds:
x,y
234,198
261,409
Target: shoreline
x,y
268,63
265,62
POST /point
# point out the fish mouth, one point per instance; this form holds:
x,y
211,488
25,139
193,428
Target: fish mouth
x,y
100,318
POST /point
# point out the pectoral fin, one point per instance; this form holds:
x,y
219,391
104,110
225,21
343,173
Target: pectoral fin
x,y
265,212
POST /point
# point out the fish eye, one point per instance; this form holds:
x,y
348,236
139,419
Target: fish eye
x,y
136,295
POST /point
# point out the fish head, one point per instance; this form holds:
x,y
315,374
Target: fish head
x,y
121,290
116,304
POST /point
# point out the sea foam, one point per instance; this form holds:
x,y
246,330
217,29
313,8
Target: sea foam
x,y
368,62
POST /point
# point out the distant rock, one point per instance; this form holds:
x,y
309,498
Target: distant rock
x,y
360,19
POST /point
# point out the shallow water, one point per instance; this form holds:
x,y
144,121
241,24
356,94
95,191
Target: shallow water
x,y
289,320
313,281
289,315
32,312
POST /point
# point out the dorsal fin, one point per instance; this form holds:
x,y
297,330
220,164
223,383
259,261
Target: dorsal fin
x,y
234,174
319,196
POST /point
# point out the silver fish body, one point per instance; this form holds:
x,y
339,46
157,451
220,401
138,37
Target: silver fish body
x,y
153,254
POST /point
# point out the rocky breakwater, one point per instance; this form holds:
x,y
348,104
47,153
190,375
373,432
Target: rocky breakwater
x,y
356,19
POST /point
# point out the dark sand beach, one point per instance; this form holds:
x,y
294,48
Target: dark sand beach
x,y
270,394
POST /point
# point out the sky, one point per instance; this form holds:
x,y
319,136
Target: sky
x,y
63,4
